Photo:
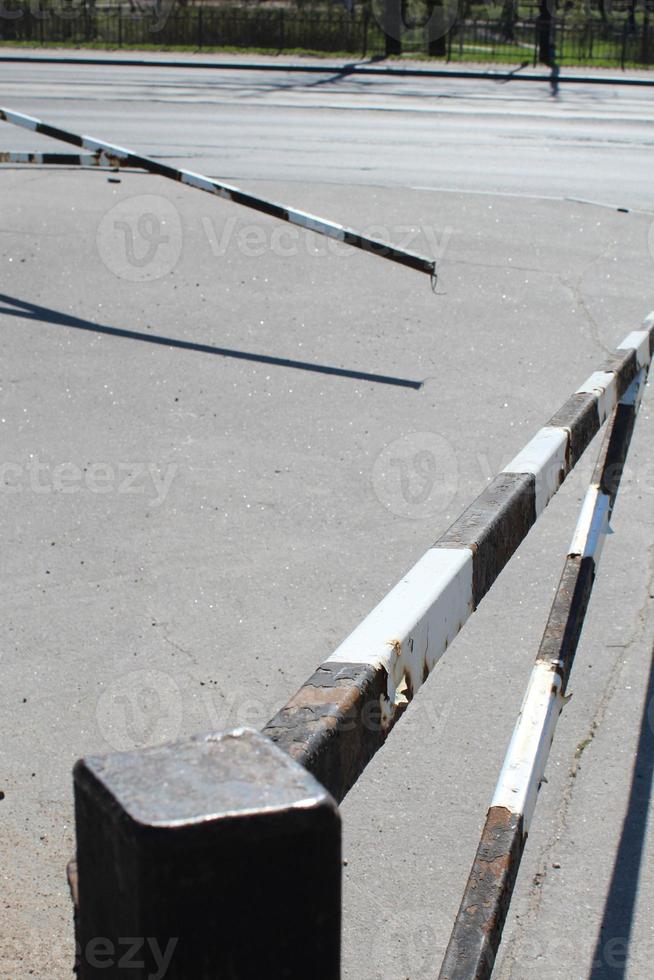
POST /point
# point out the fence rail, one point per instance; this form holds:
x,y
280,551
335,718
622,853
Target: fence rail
x,y
224,851
616,42
107,154
220,855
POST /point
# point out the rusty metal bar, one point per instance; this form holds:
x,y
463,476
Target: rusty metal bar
x,y
477,931
119,156
217,856
343,714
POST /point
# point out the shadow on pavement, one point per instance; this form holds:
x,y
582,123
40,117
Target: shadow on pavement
x,y
611,954
30,311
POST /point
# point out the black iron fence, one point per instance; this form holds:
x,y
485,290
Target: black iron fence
x,y
619,42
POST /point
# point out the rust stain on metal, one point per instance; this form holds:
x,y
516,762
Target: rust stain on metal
x,y
478,928
310,695
397,647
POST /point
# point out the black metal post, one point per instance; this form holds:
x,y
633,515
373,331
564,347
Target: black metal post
x,y
215,857
545,33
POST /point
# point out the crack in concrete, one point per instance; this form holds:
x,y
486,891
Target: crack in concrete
x,y
575,286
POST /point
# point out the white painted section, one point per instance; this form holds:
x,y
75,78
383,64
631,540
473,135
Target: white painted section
x,y
602,384
197,180
544,456
526,758
592,526
410,629
117,151
81,159
638,340
19,119
302,218
7,156
313,223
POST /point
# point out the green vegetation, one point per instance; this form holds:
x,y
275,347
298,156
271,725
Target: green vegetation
x,y
495,32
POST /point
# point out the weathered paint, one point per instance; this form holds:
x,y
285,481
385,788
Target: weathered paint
x,y
593,525
410,629
229,192
333,725
98,159
580,417
344,713
602,384
478,927
546,458
493,527
219,846
474,942
525,761
639,340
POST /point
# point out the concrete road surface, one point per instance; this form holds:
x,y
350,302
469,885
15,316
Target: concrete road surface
x,y
187,534
441,134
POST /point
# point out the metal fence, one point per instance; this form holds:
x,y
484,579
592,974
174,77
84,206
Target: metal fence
x,y
220,856
616,43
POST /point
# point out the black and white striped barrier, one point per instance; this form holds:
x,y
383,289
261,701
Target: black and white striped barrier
x,y
118,156
193,843
484,908
345,711
96,159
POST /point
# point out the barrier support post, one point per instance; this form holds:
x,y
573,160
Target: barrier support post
x,y
216,856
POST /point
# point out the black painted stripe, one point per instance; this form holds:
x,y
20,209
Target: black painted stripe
x,y
580,416
493,527
333,725
479,924
613,455
58,134
347,235
477,930
624,363
566,619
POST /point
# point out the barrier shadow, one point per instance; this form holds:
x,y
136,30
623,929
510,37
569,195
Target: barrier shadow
x,y
611,955
32,311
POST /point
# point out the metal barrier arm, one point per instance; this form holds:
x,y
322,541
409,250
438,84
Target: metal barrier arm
x,y
56,159
220,855
345,711
118,156
484,908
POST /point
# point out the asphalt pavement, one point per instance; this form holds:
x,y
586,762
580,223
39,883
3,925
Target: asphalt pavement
x,y
189,532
